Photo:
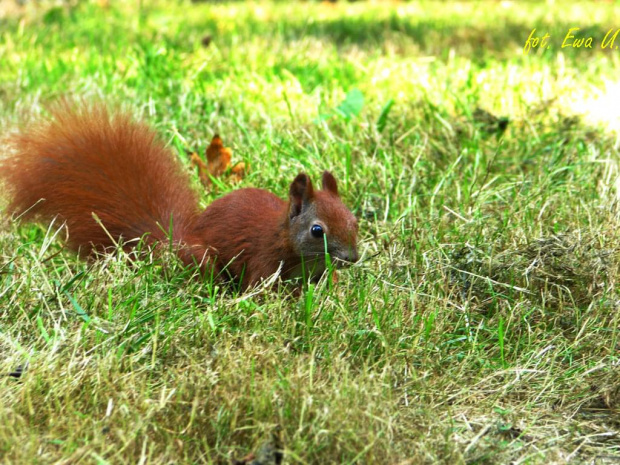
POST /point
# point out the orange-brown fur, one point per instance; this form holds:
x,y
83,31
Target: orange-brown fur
x,y
87,163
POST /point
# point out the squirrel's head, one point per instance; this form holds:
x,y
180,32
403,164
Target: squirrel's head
x,y
320,222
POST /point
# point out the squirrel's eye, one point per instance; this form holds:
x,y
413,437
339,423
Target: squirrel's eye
x,y
317,231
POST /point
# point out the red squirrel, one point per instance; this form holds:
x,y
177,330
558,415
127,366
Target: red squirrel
x,y
110,178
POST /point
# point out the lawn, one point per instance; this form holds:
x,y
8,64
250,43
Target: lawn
x,y
481,323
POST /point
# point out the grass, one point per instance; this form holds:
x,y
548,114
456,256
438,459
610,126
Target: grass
x,y
482,324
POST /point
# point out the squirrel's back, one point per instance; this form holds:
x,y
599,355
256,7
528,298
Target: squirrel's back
x,y
87,165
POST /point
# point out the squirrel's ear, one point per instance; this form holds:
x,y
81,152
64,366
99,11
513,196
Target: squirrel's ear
x,y
300,194
329,183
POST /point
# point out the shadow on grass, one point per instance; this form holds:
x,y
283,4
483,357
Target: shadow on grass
x,y
503,37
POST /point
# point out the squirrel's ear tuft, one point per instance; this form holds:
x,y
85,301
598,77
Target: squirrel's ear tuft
x,y
300,194
329,183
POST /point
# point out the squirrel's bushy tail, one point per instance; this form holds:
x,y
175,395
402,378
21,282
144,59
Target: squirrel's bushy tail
x,y
87,161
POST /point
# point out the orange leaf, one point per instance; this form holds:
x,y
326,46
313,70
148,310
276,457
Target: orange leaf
x,y
238,172
218,163
196,161
218,157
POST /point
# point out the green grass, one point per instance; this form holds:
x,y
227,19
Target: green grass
x,y
482,323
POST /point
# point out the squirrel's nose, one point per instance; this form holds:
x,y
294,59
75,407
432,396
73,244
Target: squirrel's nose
x,y
352,256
